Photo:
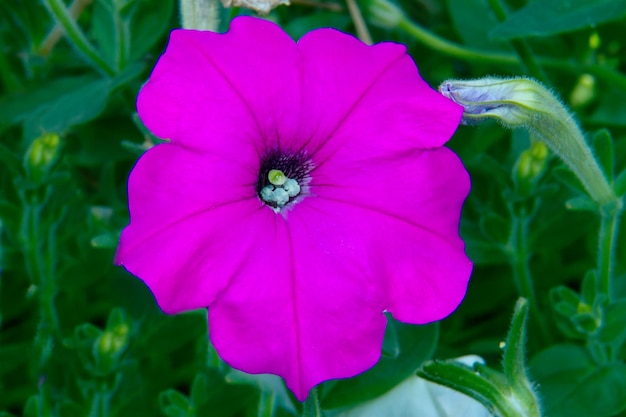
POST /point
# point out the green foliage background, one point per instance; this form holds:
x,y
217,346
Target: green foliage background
x,y
80,337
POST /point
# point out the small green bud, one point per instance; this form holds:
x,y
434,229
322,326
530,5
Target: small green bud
x,y
529,167
41,156
113,341
385,14
584,91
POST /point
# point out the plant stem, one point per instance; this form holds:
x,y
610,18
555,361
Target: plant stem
x,y
520,259
520,45
39,266
76,36
609,222
439,44
450,48
359,23
75,9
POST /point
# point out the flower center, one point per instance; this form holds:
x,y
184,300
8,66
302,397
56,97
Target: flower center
x,y
283,178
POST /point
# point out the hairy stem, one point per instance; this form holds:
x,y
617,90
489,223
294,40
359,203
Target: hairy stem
x,y
359,23
609,223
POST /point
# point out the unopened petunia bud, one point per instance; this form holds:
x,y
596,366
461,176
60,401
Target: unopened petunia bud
x,y
41,155
522,102
514,102
385,14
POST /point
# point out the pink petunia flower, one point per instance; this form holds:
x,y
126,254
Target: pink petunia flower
x,y
304,192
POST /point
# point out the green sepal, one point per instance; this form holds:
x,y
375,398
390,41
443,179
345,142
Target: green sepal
x,y
464,379
589,287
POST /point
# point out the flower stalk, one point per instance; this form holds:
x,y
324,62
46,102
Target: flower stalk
x,y
76,36
609,223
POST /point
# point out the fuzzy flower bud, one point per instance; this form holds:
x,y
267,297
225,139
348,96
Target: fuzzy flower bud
x,y
522,102
513,102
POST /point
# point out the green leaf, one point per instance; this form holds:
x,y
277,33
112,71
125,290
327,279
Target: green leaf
x,y
603,149
464,379
620,184
173,403
478,248
613,331
550,17
417,344
582,203
296,28
610,110
71,108
566,176
148,21
514,358
103,29
572,385
32,407
9,160
473,20
495,228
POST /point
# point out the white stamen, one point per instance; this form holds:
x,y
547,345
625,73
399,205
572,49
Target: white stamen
x,y
292,187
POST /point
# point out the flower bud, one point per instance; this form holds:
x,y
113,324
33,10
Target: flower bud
x,y
584,91
514,102
522,102
385,14
41,155
529,167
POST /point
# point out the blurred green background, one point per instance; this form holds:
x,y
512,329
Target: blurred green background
x,y
81,337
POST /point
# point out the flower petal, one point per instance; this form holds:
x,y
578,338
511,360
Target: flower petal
x,y
190,216
304,306
373,89
412,205
234,87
